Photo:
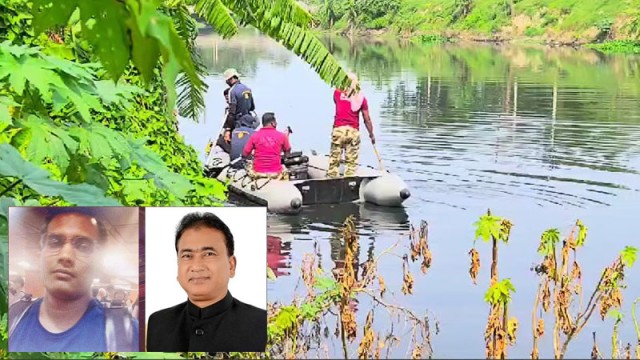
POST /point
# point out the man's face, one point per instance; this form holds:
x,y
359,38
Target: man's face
x,y
68,256
204,267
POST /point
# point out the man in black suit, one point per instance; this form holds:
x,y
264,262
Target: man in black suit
x,y
211,320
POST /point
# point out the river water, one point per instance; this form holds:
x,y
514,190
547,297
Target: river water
x,y
540,136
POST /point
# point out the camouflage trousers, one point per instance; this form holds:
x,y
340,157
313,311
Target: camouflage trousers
x,y
282,175
347,138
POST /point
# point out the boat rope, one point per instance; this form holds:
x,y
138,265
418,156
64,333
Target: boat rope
x,y
242,181
263,185
233,172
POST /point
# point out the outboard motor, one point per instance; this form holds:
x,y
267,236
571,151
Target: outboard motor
x,y
297,165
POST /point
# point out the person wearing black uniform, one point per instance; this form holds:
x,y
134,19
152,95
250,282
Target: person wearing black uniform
x,y
241,104
211,320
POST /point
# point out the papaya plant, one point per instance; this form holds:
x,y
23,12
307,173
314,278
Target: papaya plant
x,y
500,330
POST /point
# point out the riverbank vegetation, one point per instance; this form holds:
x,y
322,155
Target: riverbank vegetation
x,y
556,22
89,97
560,294
86,118
322,318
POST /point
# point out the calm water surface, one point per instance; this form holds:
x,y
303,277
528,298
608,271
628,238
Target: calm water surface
x,y
540,136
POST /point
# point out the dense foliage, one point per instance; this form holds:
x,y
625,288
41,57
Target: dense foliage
x,y
87,97
564,21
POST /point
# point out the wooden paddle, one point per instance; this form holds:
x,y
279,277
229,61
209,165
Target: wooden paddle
x,y
378,155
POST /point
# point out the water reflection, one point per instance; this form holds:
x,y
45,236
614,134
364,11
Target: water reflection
x,y
368,219
540,136
243,54
278,255
325,222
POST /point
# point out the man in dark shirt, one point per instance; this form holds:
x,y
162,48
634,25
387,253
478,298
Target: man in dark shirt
x,y
211,320
66,317
241,103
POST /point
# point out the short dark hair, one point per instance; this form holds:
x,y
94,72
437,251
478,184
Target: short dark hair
x,y
268,118
226,91
197,219
54,212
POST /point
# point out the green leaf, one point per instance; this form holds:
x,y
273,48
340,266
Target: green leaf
x,y
48,142
5,114
102,143
85,169
288,23
218,16
145,49
17,80
210,187
629,255
109,33
500,292
30,355
548,241
8,63
582,233
324,283
82,97
71,69
18,50
274,12
51,13
488,226
270,274
174,54
190,102
135,189
309,311
100,148
150,161
31,202
5,202
12,164
146,158
174,183
111,93
59,50
615,314
287,317
35,72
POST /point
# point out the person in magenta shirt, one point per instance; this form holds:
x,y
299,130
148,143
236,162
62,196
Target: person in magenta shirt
x,y
267,144
346,128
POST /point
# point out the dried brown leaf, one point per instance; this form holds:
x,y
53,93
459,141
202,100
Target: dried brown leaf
x,y
383,288
475,265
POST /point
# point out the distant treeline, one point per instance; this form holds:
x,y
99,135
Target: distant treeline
x,y
552,21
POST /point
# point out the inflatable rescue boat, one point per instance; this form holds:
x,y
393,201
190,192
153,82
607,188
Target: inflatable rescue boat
x,y
308,184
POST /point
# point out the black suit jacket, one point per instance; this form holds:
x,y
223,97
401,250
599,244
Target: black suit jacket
x,y
226,326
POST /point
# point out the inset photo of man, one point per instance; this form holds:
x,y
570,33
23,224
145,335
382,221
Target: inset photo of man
x,y
73,279
206,279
